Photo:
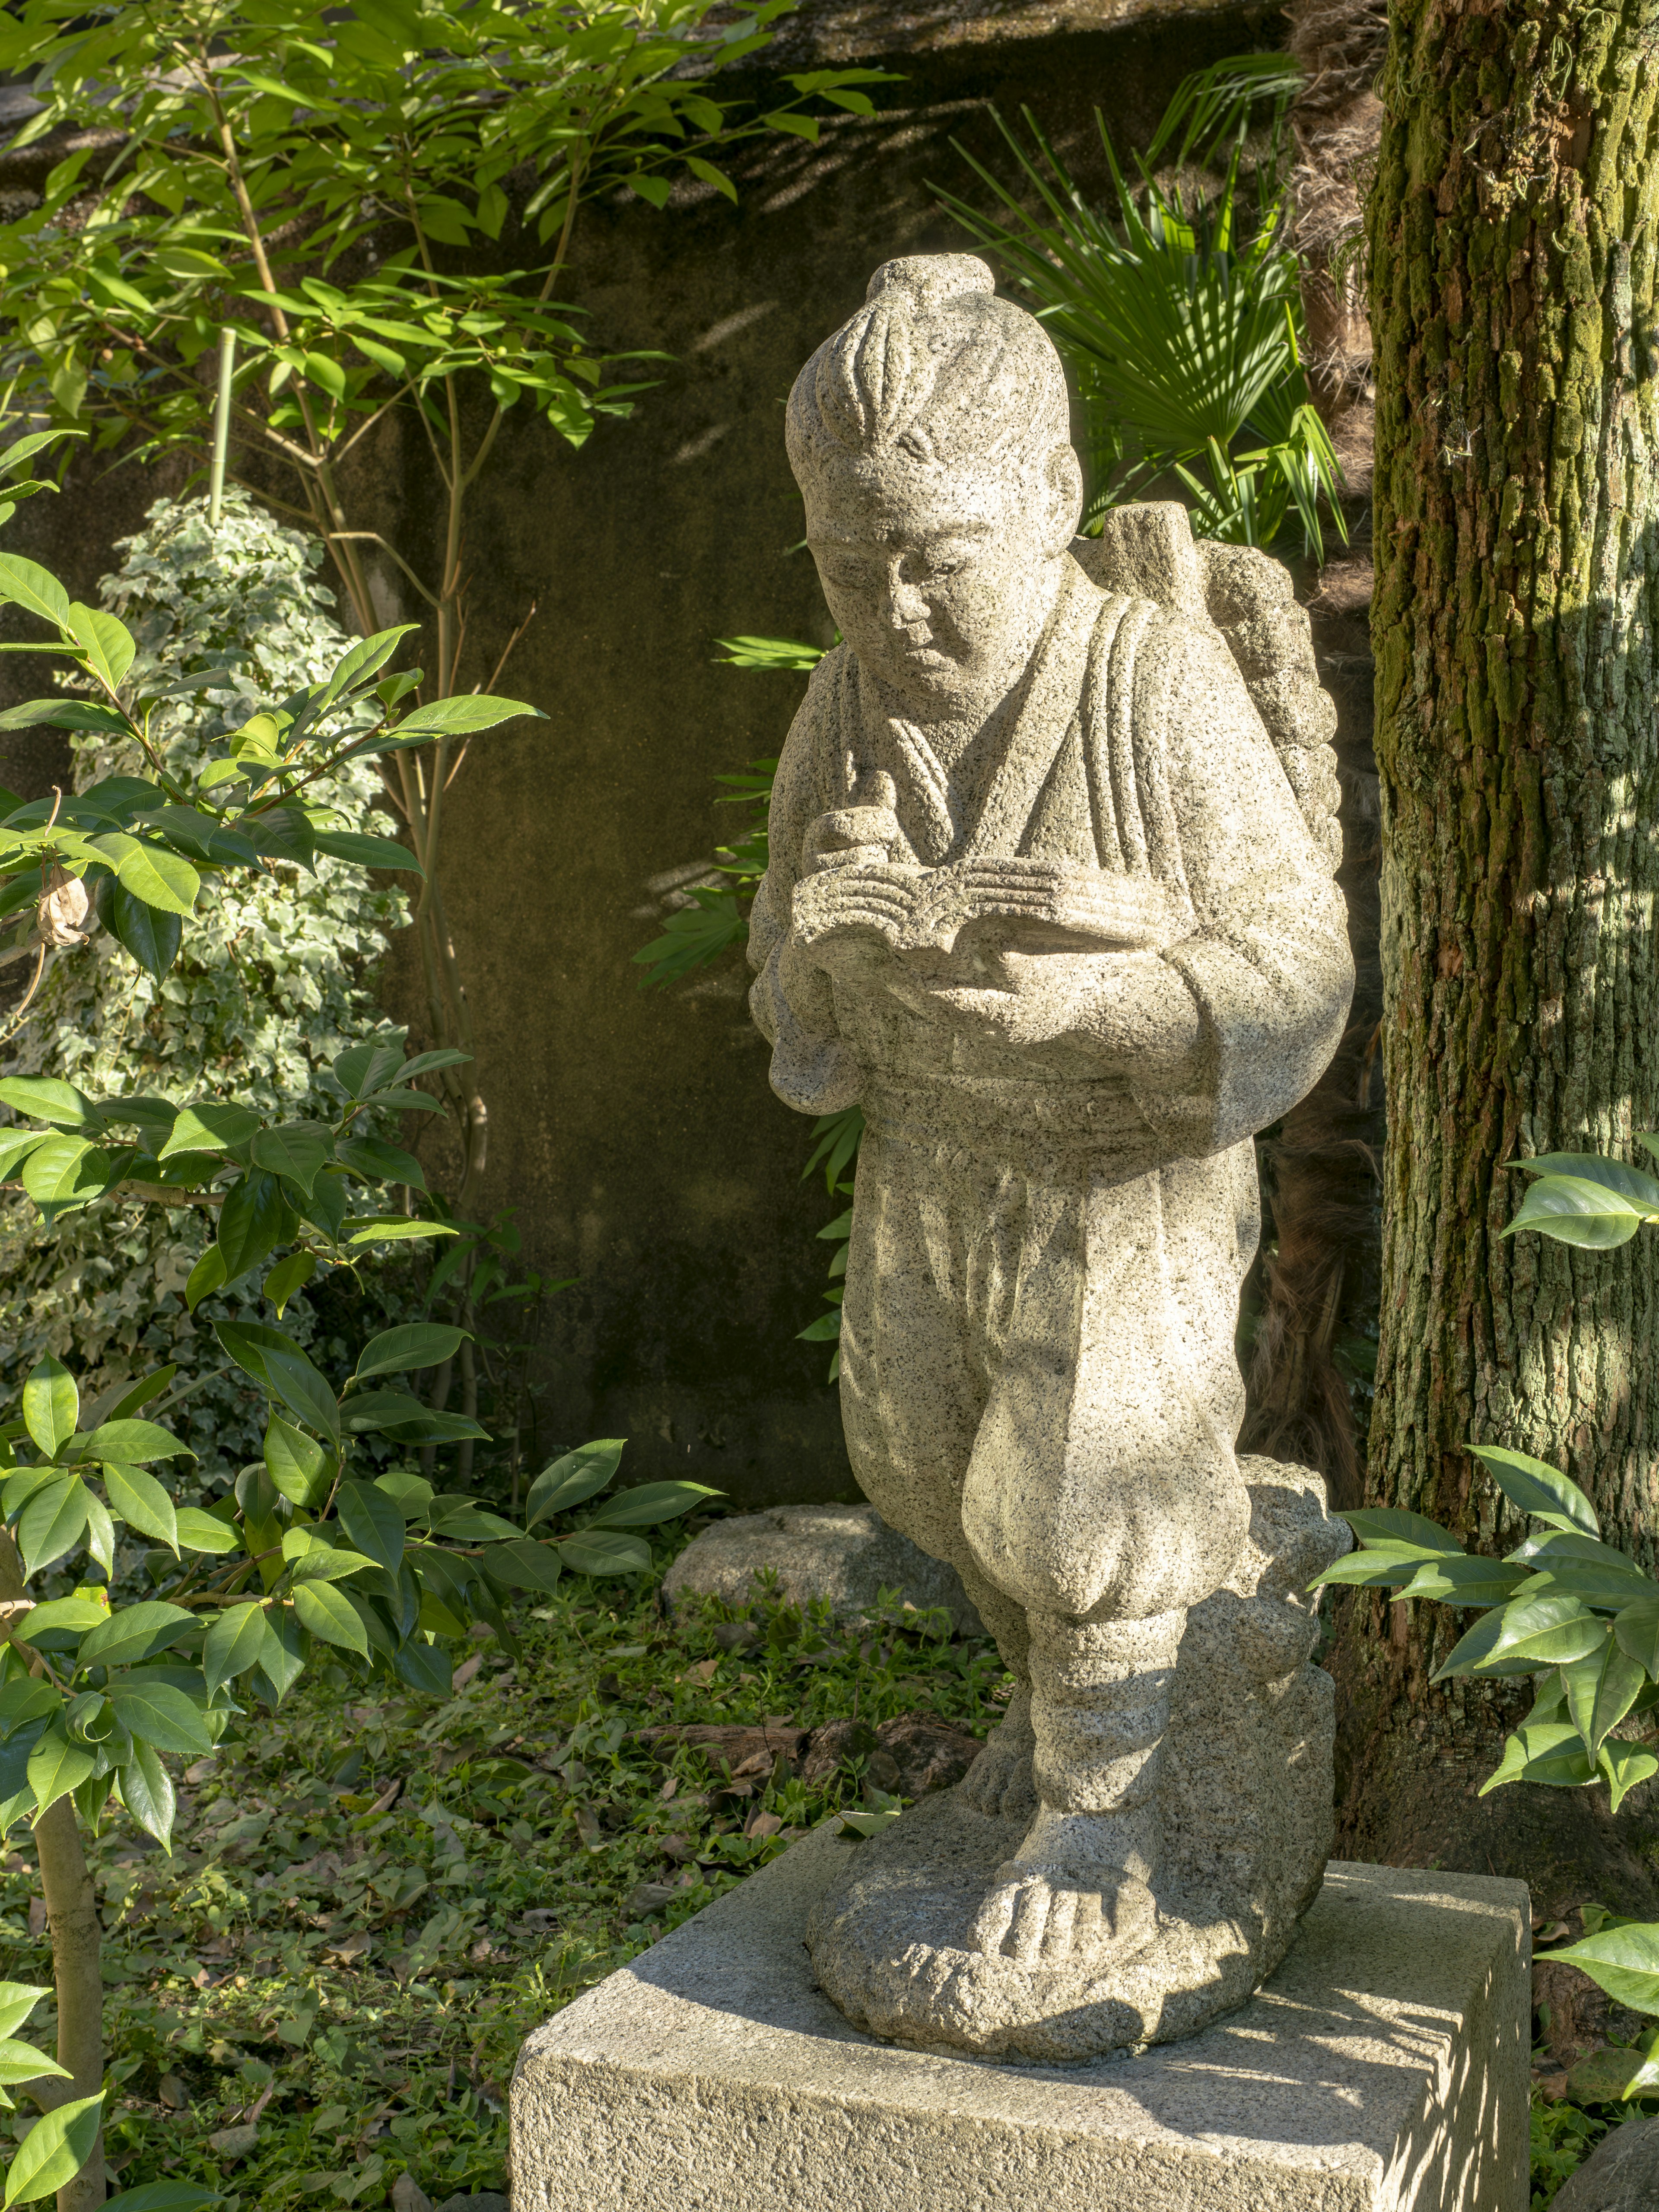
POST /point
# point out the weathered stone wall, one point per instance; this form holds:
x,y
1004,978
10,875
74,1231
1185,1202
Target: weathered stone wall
x,y
634,1132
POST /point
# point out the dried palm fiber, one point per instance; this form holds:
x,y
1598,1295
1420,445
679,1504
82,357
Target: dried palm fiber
x,y
1336,122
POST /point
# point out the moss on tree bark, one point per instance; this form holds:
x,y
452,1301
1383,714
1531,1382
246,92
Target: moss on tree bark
x,y
1512,231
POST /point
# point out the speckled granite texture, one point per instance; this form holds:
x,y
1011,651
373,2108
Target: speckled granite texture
x,y
1382,2068
1049,899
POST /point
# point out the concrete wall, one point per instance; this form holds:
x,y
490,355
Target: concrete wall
x,y
635,1131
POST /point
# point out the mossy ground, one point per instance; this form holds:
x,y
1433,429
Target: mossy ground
x,y
354,1975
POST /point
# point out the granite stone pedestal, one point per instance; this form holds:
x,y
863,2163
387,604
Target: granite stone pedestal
x,y
1381,2068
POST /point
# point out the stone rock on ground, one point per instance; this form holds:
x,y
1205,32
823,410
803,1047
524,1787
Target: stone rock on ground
x,y
846,1553
1621,2174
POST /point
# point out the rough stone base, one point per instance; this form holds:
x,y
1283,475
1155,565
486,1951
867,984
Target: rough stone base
x,y
1382,2068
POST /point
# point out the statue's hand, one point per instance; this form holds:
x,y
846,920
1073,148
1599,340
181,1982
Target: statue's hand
x,y
862,835
1131,912
848,910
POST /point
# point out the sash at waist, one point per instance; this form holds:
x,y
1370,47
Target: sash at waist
x,y
1093,1125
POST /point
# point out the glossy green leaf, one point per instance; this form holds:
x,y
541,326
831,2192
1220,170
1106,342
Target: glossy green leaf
x,y
56,1766
159,1713
60,1625
459,715
139,1500
1624,1961
21,2062
1465,1581
252,1221
153,873
52,1522
207,1276
146,1791
151,935
26,584
52,1406
300,1468
299,1151
58,2144
17,2000
235,1645
1600,1690
1538,1489
277,1362
1624,1764
108,643
363,1069
135,1444
650,1504
45,1098
415,1345
524,1563
365,852
581,1475
378,1162
1551,1752
373,1523
1389,1525
208,1127
426,1669
1636,1628
288,1276
135,1632
605,1552
327,1613
200,1531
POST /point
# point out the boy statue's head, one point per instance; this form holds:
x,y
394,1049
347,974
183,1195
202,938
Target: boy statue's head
x,y
929,437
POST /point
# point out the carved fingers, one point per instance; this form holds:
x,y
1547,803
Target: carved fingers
x,y
1130,910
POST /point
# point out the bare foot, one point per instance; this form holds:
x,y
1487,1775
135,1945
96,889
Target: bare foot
x,y
1069,1894
999,1783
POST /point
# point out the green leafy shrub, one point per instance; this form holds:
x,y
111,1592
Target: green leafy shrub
x,y
275,980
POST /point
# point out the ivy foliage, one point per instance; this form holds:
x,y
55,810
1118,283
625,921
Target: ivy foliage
x,y
274,979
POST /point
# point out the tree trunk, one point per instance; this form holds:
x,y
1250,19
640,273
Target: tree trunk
x,y
1512,239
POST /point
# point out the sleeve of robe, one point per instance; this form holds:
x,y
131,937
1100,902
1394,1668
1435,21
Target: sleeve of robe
x,y
812,1069
1268,961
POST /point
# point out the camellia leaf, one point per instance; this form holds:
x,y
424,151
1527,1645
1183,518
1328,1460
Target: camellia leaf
x,y
426,1668
1624,1961
56,1766
52,1522
109,643
524,1563
329,1615
56,2148
297,1151
151,935
1550,1630
277,1362
135,1632
207,1276
17,2000
26,584
21,2062
1624,1764
1636,1628
146,1791
159,1713
288,1276
208,1127
605,1552
252,1221
135,1444
45,1098
1389,1524
1538,1489
201,1532
301,1468
235,1645
141,1502
52,1406
155,873
378,1162
581,1475
1466,1581
1573,1210
373,1524
650,1504
416,1344
1600,1690
455,717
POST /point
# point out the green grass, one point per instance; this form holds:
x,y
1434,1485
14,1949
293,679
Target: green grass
x,y
370,1974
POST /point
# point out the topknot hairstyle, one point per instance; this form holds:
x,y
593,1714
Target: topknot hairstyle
x,y
933,366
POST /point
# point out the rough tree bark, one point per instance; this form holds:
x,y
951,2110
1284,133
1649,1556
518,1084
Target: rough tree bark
x,y
1512,245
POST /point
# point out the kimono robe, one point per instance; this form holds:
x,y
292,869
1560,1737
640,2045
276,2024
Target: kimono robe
x,y
1038,1377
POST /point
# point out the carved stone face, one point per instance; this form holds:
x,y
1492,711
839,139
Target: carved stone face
x,y
941,578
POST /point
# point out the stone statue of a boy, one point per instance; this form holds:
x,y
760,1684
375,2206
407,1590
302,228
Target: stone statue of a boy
x,y
1043,902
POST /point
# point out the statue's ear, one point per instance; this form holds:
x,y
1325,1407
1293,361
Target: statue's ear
x,y
1063,474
